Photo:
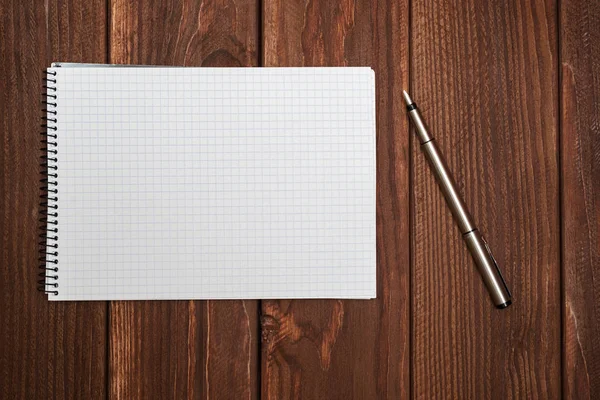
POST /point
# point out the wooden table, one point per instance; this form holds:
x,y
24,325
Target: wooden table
x,y
512,91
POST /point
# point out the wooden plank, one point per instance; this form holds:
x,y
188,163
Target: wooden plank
x,y
580,167
178,349
348,349
47,350
485,76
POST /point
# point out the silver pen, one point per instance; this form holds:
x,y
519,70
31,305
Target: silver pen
x,y
482,255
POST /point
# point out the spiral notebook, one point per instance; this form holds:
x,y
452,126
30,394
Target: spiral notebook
x,y
208,183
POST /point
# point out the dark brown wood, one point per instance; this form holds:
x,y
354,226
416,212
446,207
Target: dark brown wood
x,y
580,167
485,76
184,349
47,350
315,349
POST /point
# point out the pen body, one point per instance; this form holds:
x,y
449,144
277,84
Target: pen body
x,y
480,251
448,187
442,174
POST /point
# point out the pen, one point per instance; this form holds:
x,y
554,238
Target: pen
x,y
482,255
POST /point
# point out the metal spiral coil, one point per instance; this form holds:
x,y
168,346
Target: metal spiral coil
x,y
48,244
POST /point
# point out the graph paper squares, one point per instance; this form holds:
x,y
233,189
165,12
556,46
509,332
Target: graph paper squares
x,y
208,183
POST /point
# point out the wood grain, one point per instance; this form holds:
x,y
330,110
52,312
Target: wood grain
x,y
580,167
47,350
314,349
184,349
485,77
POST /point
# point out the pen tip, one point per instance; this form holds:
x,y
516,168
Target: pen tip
x,y
407,98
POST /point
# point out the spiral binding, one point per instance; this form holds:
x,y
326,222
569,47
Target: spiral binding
x,y
48,245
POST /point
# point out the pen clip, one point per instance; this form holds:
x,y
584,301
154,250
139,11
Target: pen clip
x,y
487,248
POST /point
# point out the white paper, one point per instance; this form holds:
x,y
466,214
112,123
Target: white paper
x,y
216,183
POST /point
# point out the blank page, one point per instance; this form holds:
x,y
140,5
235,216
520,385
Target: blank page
x,y
210,183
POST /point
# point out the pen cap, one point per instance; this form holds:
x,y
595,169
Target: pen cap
x,y
488,268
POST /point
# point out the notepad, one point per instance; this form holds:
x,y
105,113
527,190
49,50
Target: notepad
x,y
209,183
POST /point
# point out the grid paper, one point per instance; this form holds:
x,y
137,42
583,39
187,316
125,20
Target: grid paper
x,y
216,183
